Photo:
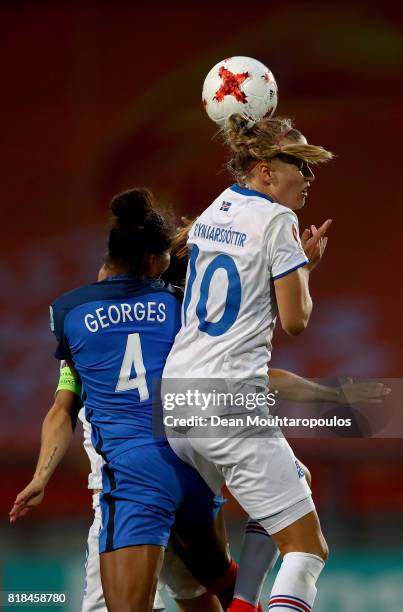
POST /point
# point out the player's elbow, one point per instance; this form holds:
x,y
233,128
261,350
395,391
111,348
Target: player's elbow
x,y
66,407
296,324
295,328
294,303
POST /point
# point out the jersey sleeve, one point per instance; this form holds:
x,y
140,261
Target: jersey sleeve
x,y
284,250
57,315
67,380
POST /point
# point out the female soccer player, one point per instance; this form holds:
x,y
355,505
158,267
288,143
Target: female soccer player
x,y
246,262
116,334
259,553
57,431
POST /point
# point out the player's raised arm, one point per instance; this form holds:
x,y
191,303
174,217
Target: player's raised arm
x,y
294,301
292,290
292,387
57,431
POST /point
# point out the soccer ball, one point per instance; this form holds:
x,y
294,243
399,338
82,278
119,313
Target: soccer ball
x,y
239,85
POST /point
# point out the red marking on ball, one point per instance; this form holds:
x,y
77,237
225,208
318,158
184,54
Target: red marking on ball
x,y
231,85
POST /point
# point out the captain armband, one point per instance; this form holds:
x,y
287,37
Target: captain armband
x,y
68,382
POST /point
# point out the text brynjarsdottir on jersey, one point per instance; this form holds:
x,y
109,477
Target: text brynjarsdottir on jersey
x,y
219,234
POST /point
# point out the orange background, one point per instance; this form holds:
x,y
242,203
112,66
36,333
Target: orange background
x,y
97,97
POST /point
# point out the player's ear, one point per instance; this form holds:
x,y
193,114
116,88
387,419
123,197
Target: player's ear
x,y
158,264
265,172
102,273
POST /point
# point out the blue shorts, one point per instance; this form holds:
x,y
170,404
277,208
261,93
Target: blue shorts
x,y
143,488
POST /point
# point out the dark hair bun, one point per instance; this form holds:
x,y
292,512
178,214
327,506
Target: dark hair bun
x,y
132,207
137,229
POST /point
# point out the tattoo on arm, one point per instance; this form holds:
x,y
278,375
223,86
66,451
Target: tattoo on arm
x,y
51,458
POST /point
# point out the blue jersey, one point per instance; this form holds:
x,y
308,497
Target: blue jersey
x,y
118,334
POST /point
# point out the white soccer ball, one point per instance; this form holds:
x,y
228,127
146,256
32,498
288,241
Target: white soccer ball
x,y
239,85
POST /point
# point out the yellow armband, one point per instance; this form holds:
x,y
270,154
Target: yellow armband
x,y
68,382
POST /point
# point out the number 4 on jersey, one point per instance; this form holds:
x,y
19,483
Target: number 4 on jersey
x,y
133,358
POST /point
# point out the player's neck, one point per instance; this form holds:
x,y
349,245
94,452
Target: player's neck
x,y
112,271
257,185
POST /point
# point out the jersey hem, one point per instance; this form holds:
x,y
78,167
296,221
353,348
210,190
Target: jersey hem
x,y
290,270
140,541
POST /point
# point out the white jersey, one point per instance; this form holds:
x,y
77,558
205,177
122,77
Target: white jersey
x,y
239,245
96,461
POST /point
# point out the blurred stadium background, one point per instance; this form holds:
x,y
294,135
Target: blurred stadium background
x,y
100,96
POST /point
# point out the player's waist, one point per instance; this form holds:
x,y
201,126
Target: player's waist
x,y
215,364
111,451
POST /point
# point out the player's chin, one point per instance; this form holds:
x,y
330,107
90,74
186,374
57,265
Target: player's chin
x,y
300,201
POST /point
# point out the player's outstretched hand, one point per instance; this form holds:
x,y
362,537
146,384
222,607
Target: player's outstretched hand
x,y
28,498
314,243
368,392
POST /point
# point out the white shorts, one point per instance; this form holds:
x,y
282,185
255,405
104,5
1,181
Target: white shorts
x,y
262,474
175,576
93,600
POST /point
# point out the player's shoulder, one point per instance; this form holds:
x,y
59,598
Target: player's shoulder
x,y
79,295
282,215
251,201
110,289
176,291
62,305
241,216
113,288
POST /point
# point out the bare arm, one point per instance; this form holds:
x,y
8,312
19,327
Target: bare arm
x,y
295,388
294,301
292,291
57,431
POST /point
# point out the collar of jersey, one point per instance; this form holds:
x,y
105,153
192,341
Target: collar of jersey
x,y
126,277
249,192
